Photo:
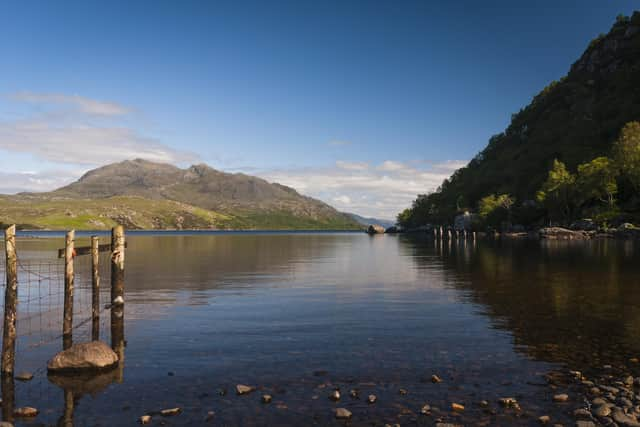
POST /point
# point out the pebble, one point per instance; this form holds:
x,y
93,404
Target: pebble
x,y
457,407
145,419
342,413
25,411
435,379
602,411
508,401
561,397
372,398
170,412
266,398
335,395
628,380
24,376
583,423
581,413
244,389
544,419
623,419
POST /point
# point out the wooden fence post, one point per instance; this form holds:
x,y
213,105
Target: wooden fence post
x,y
95,289
10,303
117,265
67,323
117,296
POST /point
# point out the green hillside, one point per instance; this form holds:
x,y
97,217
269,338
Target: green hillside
x,y
573,120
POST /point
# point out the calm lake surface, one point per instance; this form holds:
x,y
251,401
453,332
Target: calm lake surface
x,y
298,314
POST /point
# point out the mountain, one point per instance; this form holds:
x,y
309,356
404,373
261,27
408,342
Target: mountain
x,y
574,120
371,221
144,194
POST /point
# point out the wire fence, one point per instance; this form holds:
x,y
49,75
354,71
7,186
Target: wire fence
x,y
40,307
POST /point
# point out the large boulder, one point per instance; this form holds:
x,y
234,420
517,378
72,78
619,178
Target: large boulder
x,y
86,357
559,233
375,229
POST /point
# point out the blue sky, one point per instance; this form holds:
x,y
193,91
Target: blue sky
x,y
360,103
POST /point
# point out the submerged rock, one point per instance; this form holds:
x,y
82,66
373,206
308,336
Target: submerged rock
x,y
170,412
561,397
26,412
145,419
457,407
342,413
244,389
24,376
91,356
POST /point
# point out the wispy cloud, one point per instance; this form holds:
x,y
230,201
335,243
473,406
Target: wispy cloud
x,y
79,136
380,191
80,103
32,181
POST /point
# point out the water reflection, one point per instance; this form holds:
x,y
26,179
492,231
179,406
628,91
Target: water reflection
x,y
571,302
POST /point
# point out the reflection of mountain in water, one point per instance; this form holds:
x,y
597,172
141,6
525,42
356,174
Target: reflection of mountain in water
x,y
203,262
576,303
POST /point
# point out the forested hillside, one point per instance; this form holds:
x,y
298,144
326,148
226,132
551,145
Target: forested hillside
x,y
558,160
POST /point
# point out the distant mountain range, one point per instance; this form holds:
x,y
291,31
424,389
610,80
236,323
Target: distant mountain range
x,y
145,195
386,223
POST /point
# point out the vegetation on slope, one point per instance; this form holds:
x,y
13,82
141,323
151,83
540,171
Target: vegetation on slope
x,y
570,124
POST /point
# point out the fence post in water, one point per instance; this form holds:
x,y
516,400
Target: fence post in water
x,y
117,295
10,303
95,289
67,322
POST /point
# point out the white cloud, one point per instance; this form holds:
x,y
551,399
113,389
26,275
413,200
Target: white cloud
x,y
81,104
352,166
381,191
15,182
345,200
80,137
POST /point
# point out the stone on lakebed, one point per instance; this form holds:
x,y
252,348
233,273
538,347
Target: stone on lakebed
x,y
90,356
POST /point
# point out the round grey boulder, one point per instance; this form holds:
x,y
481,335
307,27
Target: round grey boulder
x,y
87,357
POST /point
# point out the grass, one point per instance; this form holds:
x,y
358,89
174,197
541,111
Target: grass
x,y
39,212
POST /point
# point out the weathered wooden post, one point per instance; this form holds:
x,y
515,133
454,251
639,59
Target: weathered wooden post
x,y
95,289
117,296
10,303
8,389
67,322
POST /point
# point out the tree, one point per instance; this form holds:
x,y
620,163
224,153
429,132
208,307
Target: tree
x,y
557,192
626,153
494,209
596,181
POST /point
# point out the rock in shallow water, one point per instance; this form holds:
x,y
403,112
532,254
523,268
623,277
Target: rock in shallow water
x,y
170,412
244,389
145,419
372,398
90,356
26,411
342,413
561,397
24,376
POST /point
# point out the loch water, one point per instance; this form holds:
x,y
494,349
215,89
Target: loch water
x,y
298,314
